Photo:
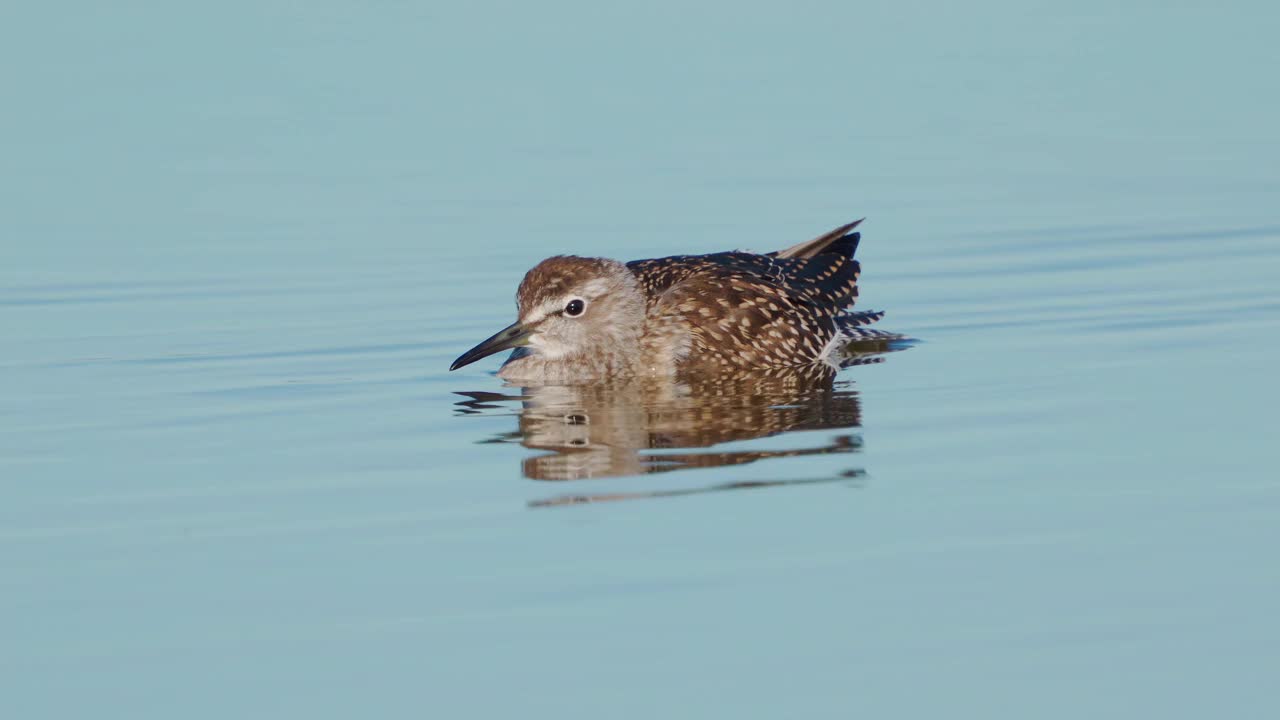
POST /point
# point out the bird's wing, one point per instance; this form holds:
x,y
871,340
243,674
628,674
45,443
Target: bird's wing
x,y
827,280
820,270
841,240
750,311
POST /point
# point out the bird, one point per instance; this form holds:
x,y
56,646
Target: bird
x,y
590,319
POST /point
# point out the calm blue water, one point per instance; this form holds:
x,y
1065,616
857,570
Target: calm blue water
x,y
240,245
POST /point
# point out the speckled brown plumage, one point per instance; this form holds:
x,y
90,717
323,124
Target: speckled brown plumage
x,y
750,311
688,314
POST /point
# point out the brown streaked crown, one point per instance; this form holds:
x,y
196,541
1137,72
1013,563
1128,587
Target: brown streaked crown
x,y
556,276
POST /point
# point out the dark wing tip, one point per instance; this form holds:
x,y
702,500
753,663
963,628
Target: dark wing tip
x,y
841,240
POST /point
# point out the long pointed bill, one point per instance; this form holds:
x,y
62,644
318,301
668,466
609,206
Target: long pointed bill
x,y
514,335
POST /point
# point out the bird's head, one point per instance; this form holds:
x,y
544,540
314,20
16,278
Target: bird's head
x,y
570,306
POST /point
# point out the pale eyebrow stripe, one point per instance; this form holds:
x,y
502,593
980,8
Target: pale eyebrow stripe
x,y
594,288
542,311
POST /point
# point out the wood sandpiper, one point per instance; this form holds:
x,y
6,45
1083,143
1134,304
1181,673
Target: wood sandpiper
x,y
590,319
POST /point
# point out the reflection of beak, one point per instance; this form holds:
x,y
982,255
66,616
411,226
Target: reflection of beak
x,y
514,335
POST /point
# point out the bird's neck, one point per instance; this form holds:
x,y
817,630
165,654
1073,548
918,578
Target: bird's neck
x,y
605,360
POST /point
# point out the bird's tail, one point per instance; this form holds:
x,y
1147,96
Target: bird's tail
x,y
851,326
854,342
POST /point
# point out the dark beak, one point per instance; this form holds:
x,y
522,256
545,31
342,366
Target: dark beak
x,y
514,335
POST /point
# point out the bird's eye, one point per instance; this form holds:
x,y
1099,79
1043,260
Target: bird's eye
x,y
575,307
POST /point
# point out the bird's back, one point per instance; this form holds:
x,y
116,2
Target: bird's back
x,y
747,310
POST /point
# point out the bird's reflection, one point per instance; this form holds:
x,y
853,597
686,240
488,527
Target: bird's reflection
x,y
646,426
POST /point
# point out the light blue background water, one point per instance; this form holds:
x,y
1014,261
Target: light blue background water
x,y
240,244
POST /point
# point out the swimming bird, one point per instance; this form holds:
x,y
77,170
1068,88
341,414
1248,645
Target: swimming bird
x,y
585,319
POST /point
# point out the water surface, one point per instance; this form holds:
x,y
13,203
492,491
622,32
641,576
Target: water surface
x,y
242,243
